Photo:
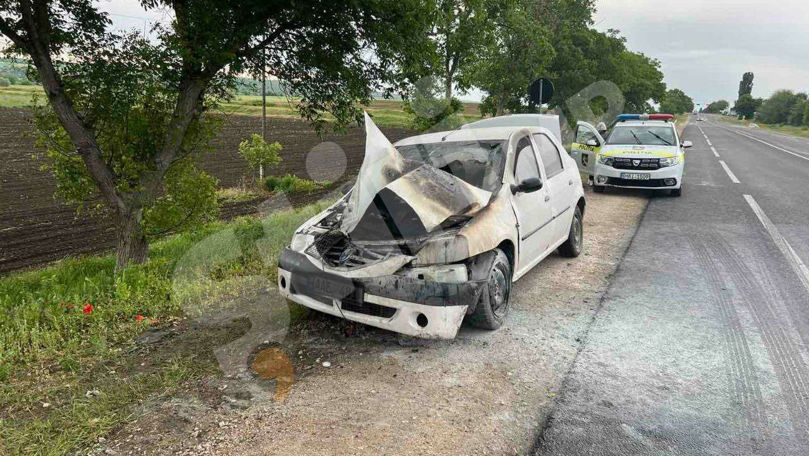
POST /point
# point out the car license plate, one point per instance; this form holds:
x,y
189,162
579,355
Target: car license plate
x,y
327,287
635,176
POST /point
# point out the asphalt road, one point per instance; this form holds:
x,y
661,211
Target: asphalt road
x,y
700,343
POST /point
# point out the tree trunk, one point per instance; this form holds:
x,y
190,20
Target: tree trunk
x,y
448,87
132,245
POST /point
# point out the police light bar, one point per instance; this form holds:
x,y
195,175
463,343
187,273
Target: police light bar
x,y
664,117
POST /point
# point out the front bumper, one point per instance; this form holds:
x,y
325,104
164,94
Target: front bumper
x,y
410,306
656,177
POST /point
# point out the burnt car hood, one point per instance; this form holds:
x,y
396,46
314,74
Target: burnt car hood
x,y
404,198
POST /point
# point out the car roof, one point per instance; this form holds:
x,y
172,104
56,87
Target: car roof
x,y
471,134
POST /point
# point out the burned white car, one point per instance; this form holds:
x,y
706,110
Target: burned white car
x,y
436,229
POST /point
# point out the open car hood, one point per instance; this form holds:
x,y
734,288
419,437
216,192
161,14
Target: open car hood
x,y
412,198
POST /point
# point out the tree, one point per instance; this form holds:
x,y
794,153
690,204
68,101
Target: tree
x,y
776,109
520,53
746,106
460,33
797,110
676,102
259,154
746,84
717,107
319,49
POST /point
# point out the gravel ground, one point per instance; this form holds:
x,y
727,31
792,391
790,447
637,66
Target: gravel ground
x,y
482,393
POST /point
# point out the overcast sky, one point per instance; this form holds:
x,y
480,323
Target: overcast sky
x,y
704,45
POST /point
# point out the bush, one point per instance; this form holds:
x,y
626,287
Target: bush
x,y
258,153
4,82
291,184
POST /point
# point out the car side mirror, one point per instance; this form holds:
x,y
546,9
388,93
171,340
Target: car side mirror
x,y
687,144
592,142
529,185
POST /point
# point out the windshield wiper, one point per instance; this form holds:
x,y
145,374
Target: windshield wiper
x,y
637,140
659,137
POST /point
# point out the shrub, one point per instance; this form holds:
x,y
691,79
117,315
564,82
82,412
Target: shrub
x,y
291,184
259,154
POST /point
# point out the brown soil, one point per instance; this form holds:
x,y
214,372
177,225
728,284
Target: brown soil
x,y
36,228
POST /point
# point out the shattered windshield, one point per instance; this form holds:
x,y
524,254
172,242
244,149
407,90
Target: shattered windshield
x,y
478,163
643,135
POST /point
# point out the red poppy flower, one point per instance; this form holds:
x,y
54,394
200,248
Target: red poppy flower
x,y
87,309
139,318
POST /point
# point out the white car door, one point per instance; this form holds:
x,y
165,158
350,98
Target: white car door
x,y
585,147
533,208
559,184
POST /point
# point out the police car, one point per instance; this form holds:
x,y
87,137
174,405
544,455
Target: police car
x,y
640,151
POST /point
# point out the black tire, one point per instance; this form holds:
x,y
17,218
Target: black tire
x,y
493,304
599,188
575,238
677,192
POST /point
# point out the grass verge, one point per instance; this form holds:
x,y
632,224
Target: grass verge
x,y
791,130
71,369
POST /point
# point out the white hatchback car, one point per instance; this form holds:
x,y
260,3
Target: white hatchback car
x,y
641,151
437,228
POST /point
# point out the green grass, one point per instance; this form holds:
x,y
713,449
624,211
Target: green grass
x,y
785,129
292,184
53,353
18,96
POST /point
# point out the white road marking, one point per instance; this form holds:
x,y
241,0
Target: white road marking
x,y
709,142
772,145
730,173
789,253
716,154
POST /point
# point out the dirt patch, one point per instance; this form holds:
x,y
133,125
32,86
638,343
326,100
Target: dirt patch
x,y
482,393
36,228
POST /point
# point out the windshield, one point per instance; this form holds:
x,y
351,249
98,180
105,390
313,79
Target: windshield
x,y
643,134
479,163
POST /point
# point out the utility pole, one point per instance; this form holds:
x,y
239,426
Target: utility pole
x,y
263,105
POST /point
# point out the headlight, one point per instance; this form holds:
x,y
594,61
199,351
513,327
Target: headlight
x,y
605,160
669,161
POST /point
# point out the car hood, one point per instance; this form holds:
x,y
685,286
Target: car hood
x,y
630,151
409,198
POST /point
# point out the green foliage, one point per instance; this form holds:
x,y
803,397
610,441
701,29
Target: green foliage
x,y
746,84
746,106
676,102
292,184
778,108
4,82
717,106
131,104
52,352
430,110
521,51
258,152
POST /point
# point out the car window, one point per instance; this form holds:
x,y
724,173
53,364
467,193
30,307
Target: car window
x,y
525,165
479,163
584,134
551,159
643,135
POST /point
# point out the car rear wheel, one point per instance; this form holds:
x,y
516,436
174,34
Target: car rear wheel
x,y
575,238
493,304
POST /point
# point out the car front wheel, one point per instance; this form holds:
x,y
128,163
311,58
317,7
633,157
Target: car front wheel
x,y
493,304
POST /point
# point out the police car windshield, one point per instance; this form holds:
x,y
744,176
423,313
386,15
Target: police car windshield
x,y
646,135
479,163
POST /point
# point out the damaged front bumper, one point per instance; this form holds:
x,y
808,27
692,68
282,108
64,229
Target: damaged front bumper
x,y
414,306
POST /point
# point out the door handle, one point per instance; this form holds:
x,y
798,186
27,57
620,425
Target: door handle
x,y
570,182
547,198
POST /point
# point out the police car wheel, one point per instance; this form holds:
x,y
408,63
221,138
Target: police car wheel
x,y
599,188
575,239
493,304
